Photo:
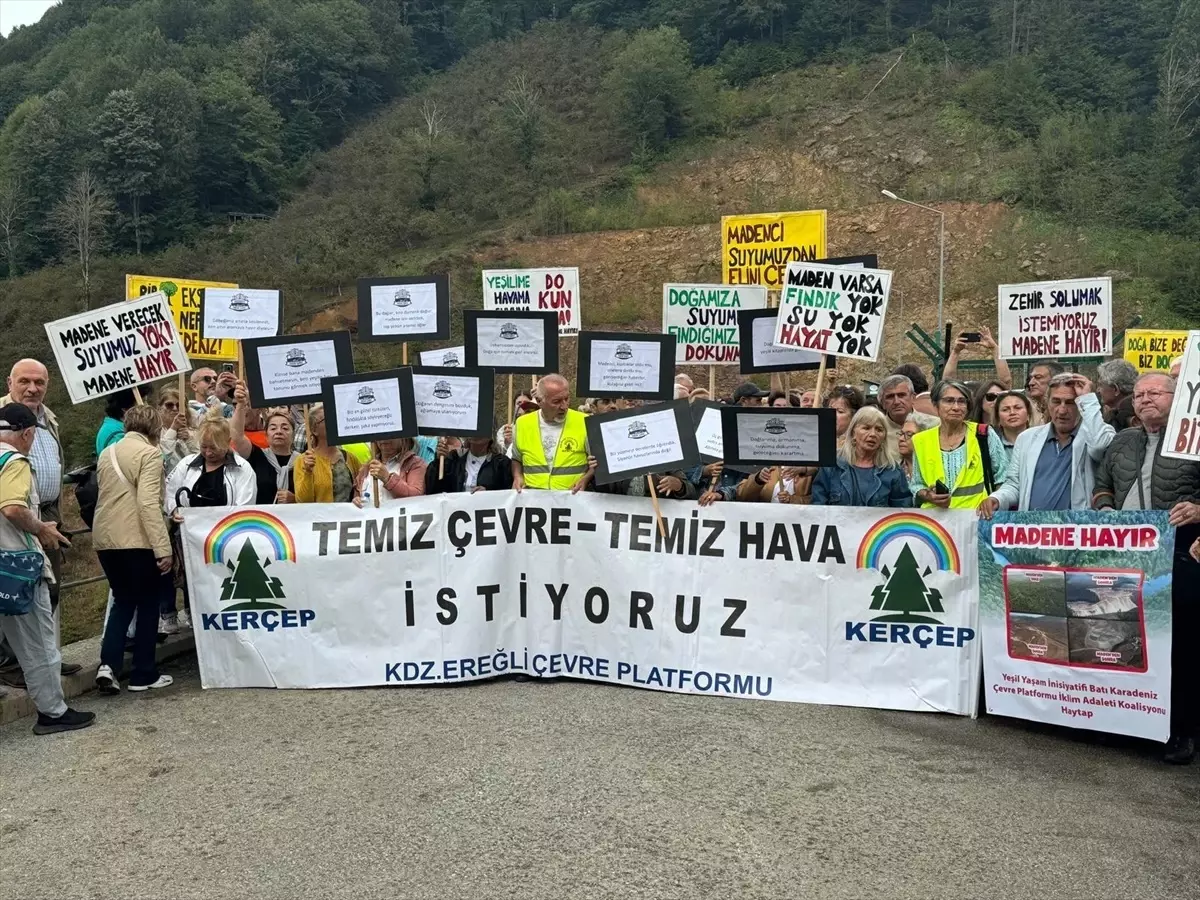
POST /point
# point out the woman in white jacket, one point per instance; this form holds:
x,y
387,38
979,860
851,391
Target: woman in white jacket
x,y
216,476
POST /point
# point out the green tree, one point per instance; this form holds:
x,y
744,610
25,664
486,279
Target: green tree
x,y
650,86
249,582
127,153
905,593
240,160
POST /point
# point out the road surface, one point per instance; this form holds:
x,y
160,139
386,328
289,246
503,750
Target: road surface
x,y
576,790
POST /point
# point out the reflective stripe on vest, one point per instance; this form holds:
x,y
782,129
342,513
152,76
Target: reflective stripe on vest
x,y
570,458
969,490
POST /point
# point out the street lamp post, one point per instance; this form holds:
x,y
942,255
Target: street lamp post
x,y
941,254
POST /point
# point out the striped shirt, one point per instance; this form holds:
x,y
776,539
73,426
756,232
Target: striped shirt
x,y
43,457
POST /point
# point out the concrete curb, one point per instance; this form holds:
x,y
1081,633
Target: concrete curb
x,y
17,704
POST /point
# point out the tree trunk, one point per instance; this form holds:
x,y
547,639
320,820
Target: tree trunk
x,y
137,223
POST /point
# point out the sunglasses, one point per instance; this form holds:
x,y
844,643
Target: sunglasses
x,y
206,377
170,406
990,396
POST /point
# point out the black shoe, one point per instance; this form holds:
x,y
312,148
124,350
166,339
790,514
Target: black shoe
x,y
71,720
1180,750
13,678
70,668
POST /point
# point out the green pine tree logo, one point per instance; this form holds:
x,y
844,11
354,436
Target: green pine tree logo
x,y
906,593
249,582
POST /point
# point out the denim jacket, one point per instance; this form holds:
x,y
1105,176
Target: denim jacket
x,y
834,486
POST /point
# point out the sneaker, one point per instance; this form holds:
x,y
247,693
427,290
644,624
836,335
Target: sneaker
x,y
168,623
106,681
163,681
1180,750
183,620
71,720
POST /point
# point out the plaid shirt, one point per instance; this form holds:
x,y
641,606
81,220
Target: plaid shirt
x,y
44,458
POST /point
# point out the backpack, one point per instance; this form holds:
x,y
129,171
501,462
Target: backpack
x,y
87,494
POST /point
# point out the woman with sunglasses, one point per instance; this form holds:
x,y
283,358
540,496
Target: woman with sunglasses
x,y
983,408
953,467
177,439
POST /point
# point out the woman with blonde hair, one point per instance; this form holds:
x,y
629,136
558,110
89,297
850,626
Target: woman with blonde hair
x,y
868,470
131,541
325,474
274,468
214,476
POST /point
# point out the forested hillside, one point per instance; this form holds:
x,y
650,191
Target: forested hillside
x,y
379,136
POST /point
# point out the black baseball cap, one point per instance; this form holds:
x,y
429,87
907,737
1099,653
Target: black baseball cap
x,y
749,390
16,417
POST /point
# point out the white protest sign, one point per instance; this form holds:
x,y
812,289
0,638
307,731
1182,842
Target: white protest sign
x,y
778,437
402,309
288,371
647,440
538,290
1056,319
1181,439
709,436
115,347
703,318
761,354
755,600
369,406
446,404
833,310
446,358
517,343
626,367
239,313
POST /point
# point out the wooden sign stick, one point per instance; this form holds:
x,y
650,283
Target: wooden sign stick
x,y
662,526
375,478
820,382
712,382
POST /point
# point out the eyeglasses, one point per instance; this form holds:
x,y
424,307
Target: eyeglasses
x,y
954,401
170,406
1152,395
990,396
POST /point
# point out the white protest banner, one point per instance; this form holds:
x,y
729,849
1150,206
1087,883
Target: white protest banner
x,y
446,358
859,607
239,314
537,290
704,320
1181,439
373,406
1056,319
119,346
1075,611
833,310
457,404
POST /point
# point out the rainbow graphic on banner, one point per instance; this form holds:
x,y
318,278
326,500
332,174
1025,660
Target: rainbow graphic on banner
x,y
909,526
248,523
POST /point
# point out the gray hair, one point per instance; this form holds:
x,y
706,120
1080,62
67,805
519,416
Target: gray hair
x,y
886,455
1118,373
940,388
1163,375
895,381
546,380
1056,368
1062,379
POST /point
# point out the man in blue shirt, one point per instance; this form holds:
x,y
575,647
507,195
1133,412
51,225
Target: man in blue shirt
x,y
1053,465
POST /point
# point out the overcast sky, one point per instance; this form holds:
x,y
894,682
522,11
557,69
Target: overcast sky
x,y
21,12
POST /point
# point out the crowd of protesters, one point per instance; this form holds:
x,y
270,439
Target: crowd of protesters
x,y
1058,442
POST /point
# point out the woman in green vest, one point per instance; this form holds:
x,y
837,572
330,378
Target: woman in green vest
x,y
949,461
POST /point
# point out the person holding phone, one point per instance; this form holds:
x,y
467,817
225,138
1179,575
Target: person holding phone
x,y
957,464
981,338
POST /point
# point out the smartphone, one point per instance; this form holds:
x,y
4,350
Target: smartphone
x,y
971,337
939,487
227,367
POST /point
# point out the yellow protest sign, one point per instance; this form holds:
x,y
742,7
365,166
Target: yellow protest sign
x,y
185,308
756,249
1152,351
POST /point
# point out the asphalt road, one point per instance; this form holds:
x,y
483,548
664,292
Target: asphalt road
x,y
575,790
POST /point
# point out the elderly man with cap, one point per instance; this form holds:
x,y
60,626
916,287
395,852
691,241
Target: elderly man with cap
x,y
27,384
31,634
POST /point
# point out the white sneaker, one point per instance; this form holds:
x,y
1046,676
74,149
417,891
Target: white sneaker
x,y
168,623
106,682
183,621
163,681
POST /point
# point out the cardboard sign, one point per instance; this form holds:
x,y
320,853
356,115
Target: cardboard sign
x,y
446,358
642,441
632,365
454,402
511,341
120,346
833,309
239,314
1154,351
185,296
759,355
1181,438
703,319
404,308
289,368
536,290
756,249
373,406
1056,319
779,437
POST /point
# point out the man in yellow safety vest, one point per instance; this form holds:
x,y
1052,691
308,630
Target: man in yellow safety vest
x,y
549,450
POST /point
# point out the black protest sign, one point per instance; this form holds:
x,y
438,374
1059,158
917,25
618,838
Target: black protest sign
x,y
511,342
755,436
642,441
372,406
760,355
404,308
288,369
453,402
635,366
